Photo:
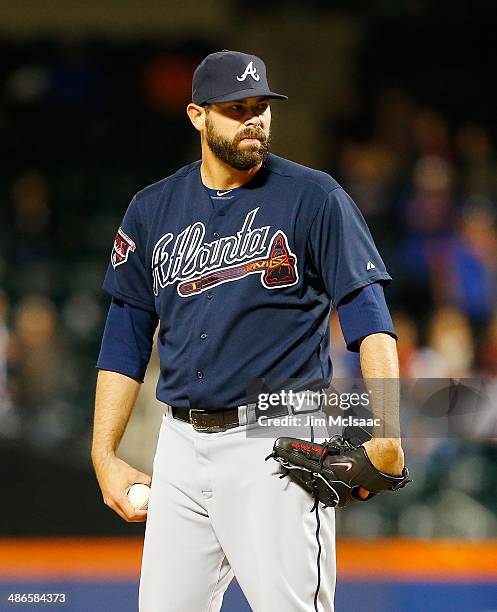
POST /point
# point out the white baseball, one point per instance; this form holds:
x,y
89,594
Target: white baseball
x,y
138,495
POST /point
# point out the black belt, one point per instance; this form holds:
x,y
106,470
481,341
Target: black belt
x,y
213,421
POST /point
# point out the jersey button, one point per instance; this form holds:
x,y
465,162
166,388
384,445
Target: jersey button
x,y
200,374
203,335
216,235
209,295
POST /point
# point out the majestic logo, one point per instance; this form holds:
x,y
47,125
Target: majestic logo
x,y
250,70
120,251
197,265
370,266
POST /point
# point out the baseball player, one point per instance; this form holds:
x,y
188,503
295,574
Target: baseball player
x,y
238,258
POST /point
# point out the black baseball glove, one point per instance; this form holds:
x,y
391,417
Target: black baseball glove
x,y
333,472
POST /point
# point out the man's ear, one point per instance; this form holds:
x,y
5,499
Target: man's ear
x,y
196,115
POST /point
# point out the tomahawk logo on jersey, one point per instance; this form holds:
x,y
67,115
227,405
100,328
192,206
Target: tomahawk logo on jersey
x,y
198,266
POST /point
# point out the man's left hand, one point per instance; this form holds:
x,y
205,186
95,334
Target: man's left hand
x,y
386,455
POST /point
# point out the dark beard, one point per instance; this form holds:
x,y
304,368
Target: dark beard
x,y
229,152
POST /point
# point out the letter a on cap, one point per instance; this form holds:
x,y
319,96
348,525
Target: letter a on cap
x,y
249,70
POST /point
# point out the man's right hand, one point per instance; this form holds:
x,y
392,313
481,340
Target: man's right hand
x,y
115,477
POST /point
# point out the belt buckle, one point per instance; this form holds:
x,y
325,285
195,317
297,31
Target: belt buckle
x,y
208,429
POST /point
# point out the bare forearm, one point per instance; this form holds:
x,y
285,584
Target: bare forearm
x,y
114,401
380,369
115,398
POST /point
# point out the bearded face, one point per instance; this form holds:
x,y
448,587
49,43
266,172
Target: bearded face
x,y
248,148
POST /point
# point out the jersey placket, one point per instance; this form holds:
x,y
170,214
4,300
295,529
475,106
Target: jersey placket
x,y
204,343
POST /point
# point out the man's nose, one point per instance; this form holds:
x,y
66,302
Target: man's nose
x,y
254,119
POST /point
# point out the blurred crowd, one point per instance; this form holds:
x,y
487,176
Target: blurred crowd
x,y
84,132
429,193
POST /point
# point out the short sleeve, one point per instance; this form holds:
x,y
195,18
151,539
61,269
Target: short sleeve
x,y
128,277
342,248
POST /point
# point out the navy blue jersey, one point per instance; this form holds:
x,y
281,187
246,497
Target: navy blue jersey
x,y
242,282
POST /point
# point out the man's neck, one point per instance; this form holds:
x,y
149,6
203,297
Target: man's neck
x,y
218,175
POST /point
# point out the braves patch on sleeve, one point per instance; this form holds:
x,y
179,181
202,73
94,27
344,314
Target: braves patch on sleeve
x,y
120,251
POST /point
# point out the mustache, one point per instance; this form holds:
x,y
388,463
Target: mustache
x,y
253,133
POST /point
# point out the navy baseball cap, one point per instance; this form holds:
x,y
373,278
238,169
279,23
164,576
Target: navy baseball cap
x,y
225,76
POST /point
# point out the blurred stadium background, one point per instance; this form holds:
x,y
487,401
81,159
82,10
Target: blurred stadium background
x,y
395,100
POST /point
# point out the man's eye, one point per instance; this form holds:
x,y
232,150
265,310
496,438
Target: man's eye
x,y
262,108
236,107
